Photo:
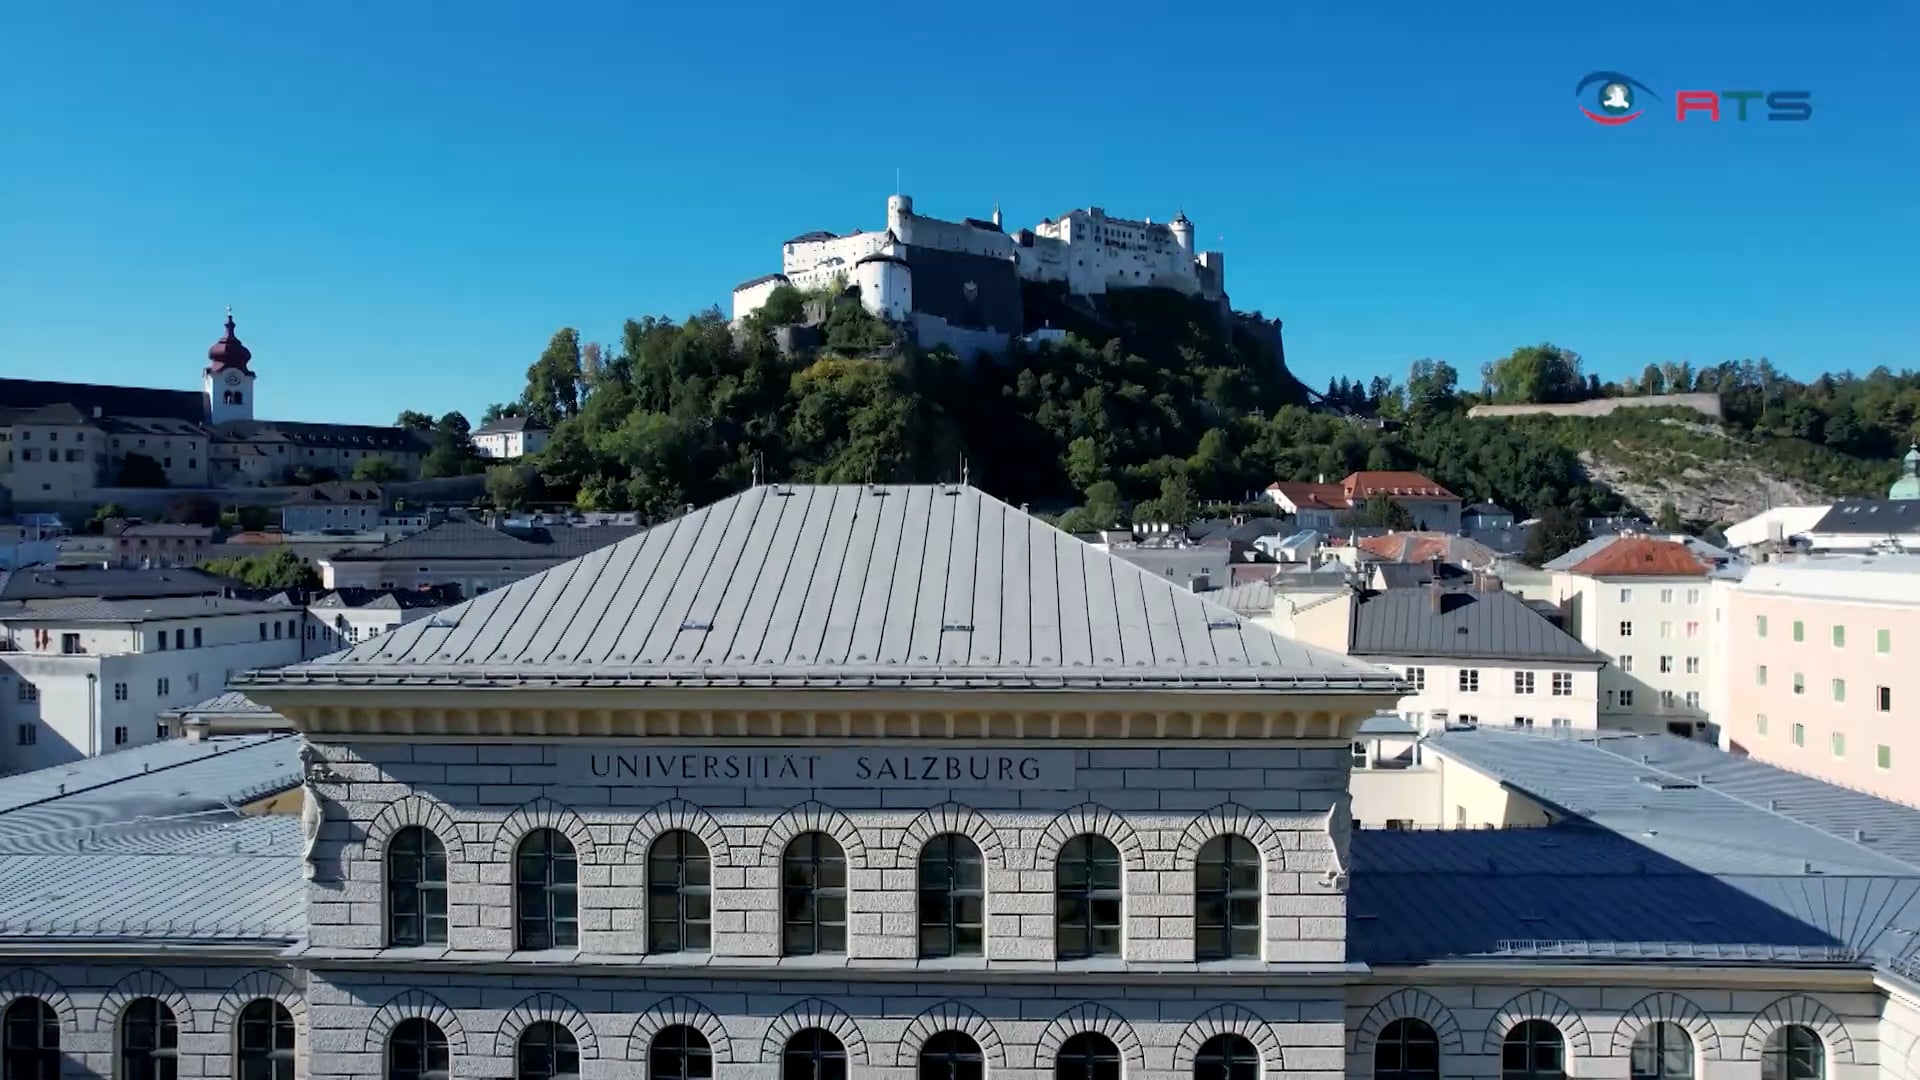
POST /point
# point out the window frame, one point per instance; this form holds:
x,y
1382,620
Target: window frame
x,y
1089,852
1651,1042
941,878
1090,1055
537,920
559,1044
823,1058
691,866
1233,937
44,1056
424,892
275,1061
692,1053
949,1055
819,860
161,1060
432,1044
1404,1035
1777,1054
1227,1055
1528,1036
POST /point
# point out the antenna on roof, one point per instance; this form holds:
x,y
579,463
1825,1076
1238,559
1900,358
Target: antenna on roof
x,y
756,468
963,470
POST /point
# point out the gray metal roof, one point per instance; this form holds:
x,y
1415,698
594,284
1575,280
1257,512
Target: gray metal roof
x,y
138,610
232,881
228,767
472,540
103,583
843,586
147,844
226,703
1669,850
1251,598
1453,623
1871,517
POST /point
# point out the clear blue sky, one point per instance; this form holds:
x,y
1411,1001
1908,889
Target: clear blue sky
x,y
403,201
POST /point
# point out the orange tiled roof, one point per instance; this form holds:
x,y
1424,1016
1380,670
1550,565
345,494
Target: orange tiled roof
x,y
1420,547
1364,485
1643,556
1309,496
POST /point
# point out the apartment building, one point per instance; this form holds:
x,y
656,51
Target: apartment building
x,y
1816,681
89,657
1645,604
1473,656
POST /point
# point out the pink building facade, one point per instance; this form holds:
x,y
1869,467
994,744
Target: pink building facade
x,y
1821,673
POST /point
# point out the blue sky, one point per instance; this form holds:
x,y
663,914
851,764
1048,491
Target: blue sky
x,y
403,201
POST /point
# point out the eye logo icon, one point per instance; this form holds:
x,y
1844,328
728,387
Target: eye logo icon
x,y
1613,97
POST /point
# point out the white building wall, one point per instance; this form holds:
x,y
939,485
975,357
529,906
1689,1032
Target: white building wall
x,y
78,704
1499,697
749,299
331,629
1670,618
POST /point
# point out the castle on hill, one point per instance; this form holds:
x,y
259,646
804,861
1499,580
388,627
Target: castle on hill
x,y
957,283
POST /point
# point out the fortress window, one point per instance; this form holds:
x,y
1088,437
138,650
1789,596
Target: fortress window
x,y
547,1051
952,1055
1793,1052
1662,1051
1407,1050
1087,1056
813,1054
1533,1050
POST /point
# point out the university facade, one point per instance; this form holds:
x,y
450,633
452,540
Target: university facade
x,y
879,783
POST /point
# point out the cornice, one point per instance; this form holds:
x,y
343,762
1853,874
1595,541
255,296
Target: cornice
x,y
949,716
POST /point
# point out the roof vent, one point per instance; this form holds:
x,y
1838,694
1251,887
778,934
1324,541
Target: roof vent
x,y
1859,836
1667,783
957,628
1223,624
704,625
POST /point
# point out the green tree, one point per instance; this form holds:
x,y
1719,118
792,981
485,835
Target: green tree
x,y
510,487
1537,373
377,470
413,420
452,453
140,471
1669,518
1104,505
553,381
102,514
279,569
192,510
1557,532
1086,462
1381,512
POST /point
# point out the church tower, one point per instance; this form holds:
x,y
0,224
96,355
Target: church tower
x,y
228,383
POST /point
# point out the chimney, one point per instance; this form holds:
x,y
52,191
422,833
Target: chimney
x,y
1434,597
96,412
1491,583
194,729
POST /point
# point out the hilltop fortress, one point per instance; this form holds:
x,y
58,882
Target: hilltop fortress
x,y
957,283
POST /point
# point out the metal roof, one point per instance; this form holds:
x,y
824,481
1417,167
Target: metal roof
x,y
228,767
233,881
1456,623
1870,579
228,703
837,586
1670,849
136,610
103,583
1870,517
472,540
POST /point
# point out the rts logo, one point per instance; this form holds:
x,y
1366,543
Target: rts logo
x,y
1615,100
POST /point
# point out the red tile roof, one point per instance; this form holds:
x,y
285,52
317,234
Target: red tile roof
x,y
1364,485
1308,496
1419,547
1642,556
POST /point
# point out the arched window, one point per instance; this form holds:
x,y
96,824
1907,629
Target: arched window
x,y
1793,1052
813,1054
1662,1051
952,891
679,894
1087,1056
1087,898
417,1050
952,1055
416,888
1226,899
31,1031
1533,1050
813,883
149,1042
1407,1049
679,1053
1226,1057
547,1052
547,880
266,1041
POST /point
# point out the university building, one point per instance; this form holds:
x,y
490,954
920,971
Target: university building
x,y
826,783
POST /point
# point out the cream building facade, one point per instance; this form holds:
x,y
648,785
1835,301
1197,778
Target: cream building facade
x,y
816,784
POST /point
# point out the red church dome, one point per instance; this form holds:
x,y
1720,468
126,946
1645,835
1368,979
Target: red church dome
x,y
228,352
